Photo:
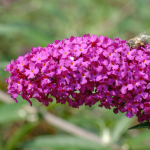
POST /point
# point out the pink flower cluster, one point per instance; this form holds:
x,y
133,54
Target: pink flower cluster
x,y
85,70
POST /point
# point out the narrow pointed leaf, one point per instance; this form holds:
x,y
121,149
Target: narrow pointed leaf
x,y
140,126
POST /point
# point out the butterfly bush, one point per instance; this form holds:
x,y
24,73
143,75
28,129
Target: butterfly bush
x,y
85,70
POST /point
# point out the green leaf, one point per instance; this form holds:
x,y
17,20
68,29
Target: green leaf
x,y
13,112
3,64
8,29
120,128
32,33
35,35
18,135
3,74
138,141
140,126
61,142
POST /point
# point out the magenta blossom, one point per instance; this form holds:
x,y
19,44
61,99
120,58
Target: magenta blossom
x,y
85,70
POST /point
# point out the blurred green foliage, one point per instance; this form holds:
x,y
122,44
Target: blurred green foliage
x,y
31,23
